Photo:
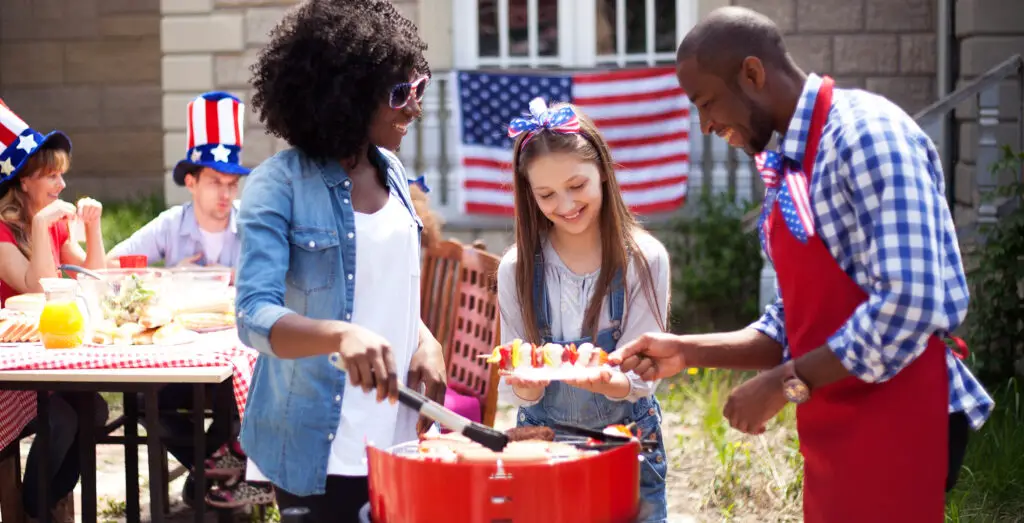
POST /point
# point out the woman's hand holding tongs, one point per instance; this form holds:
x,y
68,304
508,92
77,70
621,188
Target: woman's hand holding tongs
x,y
369,362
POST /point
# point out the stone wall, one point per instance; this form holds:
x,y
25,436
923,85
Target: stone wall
x,y
884,46
90,68
208,45
988,32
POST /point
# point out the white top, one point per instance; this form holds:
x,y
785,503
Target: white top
x,y
213,244
570,293
387,302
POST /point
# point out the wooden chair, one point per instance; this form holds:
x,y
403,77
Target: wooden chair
x,y
475,331
438,281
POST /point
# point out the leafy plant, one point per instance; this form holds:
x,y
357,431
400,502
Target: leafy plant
x,y
715,266
996,319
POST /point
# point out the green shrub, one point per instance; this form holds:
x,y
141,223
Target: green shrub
x,y
715,266
121,219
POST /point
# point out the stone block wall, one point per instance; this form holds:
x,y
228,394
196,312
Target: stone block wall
x,y
988,32
90,68
884,46
210,45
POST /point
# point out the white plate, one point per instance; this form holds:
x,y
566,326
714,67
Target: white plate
x,y
559,373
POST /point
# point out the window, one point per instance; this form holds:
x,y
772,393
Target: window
x,y
568,33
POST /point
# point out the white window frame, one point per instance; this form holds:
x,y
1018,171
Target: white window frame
x,y
577,39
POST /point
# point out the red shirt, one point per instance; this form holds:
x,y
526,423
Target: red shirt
x,y
59,235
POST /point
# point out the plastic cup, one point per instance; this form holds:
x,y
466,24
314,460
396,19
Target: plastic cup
x,y
134,261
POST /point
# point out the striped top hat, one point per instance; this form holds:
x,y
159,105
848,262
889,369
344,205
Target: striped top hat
x,y
215,123
18,142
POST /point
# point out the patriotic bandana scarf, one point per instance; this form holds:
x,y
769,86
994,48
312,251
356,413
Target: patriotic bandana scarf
x,y
788,185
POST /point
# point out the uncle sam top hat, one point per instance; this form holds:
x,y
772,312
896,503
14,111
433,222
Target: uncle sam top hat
x,y
215,125
18,142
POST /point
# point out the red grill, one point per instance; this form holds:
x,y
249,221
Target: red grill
x,y
604,488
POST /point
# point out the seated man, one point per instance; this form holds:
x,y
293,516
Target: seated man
x,y
201,232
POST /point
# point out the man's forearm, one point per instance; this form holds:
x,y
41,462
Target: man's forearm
x,y
745,349
820,367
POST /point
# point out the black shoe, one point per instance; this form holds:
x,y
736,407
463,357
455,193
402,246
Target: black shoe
x,y
188,491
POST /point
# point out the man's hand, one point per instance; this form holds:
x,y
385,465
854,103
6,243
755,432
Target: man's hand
x,y
652,356
190,261
753,403
427,368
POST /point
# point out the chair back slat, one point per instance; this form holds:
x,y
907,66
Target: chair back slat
x,y
438,281
475,329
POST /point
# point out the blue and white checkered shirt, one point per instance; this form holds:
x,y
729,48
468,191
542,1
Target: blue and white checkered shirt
x,y
879,205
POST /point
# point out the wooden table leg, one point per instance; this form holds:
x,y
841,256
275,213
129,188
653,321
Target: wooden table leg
x,y
157,491
131,457
43,436
11,509
87,450
199,438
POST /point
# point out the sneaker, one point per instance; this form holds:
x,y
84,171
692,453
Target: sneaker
x,y
227,463
241,494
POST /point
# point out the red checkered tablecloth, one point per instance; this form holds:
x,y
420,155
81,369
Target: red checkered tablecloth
x,y
219,349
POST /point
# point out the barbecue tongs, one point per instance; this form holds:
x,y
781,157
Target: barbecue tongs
x,y
480,433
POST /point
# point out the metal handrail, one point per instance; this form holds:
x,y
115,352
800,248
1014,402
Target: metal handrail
x,y
1011,66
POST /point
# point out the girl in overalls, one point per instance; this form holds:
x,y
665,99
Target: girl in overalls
x,y
582,271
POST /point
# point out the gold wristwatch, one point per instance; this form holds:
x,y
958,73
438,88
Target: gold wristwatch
x,y
795,389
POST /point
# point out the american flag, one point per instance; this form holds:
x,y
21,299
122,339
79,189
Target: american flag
x,y
642,113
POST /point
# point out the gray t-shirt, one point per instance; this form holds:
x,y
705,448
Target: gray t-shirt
x,y
570,293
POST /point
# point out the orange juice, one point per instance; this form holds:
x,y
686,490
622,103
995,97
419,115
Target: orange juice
x,y
61,325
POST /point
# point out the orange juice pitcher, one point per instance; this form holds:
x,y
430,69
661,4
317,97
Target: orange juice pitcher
x,y
63,321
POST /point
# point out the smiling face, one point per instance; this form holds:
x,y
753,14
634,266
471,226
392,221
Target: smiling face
x,y
729,108
567,190
389,125
43,178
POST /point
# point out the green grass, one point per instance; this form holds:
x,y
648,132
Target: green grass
x,y
991,485
121,219
739,476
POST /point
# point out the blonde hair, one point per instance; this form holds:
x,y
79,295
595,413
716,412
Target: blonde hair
x,y
14,204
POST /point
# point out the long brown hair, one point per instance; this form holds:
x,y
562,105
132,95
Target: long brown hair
x,y
14,211
619,227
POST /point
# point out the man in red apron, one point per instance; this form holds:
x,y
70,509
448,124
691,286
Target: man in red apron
x,y
870,282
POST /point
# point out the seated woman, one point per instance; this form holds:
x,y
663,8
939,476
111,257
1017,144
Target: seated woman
x,y
34,240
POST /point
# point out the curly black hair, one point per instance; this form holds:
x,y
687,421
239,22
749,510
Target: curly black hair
x,y
328,67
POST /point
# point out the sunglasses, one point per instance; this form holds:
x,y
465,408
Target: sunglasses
x,y
401,93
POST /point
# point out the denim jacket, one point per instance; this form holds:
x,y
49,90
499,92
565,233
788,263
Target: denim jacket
x,y
298,255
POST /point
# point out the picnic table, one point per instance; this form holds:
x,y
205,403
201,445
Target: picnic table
x,y
28,373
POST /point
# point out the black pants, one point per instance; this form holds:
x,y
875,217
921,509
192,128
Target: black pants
x,y
340,503
63,458
958,431
175,402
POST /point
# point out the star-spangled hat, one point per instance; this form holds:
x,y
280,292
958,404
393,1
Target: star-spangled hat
x,y
215,125
18,142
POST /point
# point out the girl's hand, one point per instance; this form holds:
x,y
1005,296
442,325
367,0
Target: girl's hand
x,y
527,389
90,211
56,211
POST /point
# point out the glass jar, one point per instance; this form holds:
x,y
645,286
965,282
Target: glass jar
x,y
63,321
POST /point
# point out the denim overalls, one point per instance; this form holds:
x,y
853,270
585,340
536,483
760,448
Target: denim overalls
x,y
566,404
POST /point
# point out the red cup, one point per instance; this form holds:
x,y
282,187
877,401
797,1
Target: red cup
x,y
134,261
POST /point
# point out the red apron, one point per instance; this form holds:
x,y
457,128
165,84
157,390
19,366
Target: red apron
x,y
872,452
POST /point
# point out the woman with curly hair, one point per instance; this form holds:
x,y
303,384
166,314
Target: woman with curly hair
x,y
330,260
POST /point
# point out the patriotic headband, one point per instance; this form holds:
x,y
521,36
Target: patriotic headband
x,y
563,120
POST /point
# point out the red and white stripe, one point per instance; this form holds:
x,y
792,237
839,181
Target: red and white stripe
x,y
215,121
11,127
645,118
796,182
